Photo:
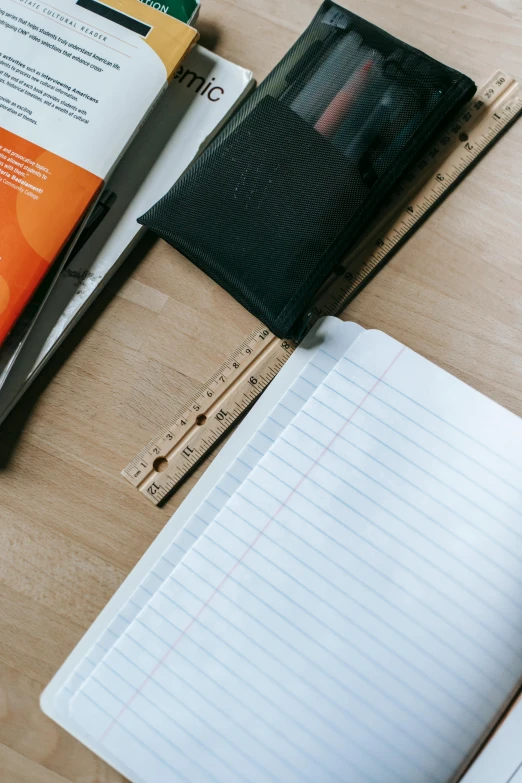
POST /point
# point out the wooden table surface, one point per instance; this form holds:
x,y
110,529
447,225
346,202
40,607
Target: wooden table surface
x,y
71,528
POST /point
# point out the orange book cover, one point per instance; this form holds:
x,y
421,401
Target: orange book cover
x,y
77,79
42,199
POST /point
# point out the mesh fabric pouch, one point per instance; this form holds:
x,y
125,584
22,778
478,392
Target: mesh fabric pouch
x,y
285,189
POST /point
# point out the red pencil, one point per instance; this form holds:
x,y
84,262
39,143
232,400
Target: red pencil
x,y
337,110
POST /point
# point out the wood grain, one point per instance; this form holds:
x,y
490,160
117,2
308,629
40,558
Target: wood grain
x,y
71,528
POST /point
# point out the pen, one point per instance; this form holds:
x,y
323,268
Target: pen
x,y
300,65
105,202
400,140
363,106
342,59
380,116
301,69
336,111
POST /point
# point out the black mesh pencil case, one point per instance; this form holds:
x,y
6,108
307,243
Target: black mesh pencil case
x,y
284,190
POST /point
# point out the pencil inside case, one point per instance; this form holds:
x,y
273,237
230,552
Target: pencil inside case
x,y
284,191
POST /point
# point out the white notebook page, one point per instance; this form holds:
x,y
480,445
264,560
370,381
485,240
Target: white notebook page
x,y
353,612
324,348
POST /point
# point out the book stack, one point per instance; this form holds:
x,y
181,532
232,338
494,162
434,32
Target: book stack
x,y
94,225
66,119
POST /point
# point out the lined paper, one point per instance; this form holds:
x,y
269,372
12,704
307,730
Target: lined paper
x,y
353,612
331,342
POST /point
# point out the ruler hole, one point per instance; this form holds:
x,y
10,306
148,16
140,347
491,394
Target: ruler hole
x,y
201,419
463,136
160,464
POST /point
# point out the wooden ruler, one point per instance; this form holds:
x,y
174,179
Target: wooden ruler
x,y
207,416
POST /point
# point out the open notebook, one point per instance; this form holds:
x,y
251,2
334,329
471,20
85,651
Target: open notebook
x,y
344,601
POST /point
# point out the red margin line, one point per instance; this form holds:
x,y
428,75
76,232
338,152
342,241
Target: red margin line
x,y
245,553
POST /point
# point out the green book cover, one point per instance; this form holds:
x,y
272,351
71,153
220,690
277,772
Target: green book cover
x,y
179,9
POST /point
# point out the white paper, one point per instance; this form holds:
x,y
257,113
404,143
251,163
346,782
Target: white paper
x,y
218,482
354,607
